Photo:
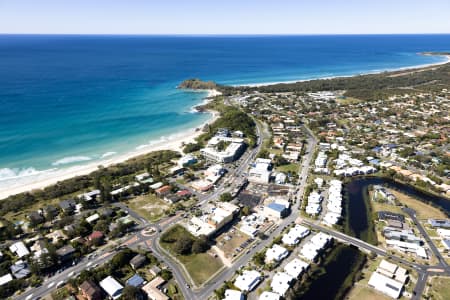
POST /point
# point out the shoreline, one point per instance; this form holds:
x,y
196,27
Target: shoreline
x,y
410,68
52,176
48,177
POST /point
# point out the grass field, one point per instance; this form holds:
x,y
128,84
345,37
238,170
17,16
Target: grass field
x,y
293,168
423,210
378,206
200,266
148,206
360,291
440,288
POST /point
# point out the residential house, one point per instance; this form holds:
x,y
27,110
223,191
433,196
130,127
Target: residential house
x,y
90,290
138,261
112,287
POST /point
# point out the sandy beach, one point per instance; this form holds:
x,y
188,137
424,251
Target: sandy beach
x,y
174,143
411,68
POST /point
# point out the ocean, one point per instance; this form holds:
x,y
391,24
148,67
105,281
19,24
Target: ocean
x,y
69,100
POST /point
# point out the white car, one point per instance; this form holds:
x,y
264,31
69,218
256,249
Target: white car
x,y
51,284
71,274
29,297
60,284
89,264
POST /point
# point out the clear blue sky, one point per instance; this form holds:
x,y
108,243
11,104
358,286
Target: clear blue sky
x,y
224,16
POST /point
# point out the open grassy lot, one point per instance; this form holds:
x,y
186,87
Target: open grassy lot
x,y
148,206
378,206
439,289
361,291
293,168
200,266
423,210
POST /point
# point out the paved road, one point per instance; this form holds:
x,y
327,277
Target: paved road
x,y
205,291
412,214
50,283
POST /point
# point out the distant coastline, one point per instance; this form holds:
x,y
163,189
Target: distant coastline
x,y
444,55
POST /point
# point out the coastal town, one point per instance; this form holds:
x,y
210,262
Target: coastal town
x,y
284,195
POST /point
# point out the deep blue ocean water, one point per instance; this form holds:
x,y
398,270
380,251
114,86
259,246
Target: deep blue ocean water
x,y
68,100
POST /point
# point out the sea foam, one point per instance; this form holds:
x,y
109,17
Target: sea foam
x,y
107,154
70,160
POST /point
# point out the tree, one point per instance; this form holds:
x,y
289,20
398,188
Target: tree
x,y
200,245
132,293
183,245
102,225
226,197
245,211
259,258
166,274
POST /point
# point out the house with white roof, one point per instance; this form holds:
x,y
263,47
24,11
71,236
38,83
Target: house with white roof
x,y
276,254
309,251
19,249
296,267
294,235
260,172
386,285
233,295
281,282
248,280
112,287
269,296
321,240
5,279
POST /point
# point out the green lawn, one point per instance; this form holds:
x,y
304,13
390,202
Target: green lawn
x,y
293,168
148,206
200,266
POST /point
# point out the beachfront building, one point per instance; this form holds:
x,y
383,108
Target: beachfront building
x,y
187,160
233,149
248,280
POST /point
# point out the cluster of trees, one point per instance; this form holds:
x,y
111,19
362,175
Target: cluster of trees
x,y
192,147
186,245
233,119
367,87
183,243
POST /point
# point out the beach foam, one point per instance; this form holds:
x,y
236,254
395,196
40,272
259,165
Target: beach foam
x,y
71,160
107,154
7,173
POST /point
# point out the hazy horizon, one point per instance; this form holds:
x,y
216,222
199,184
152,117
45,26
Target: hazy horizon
x,y
202,17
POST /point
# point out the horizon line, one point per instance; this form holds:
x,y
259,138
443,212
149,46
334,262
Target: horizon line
x,y
225,34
